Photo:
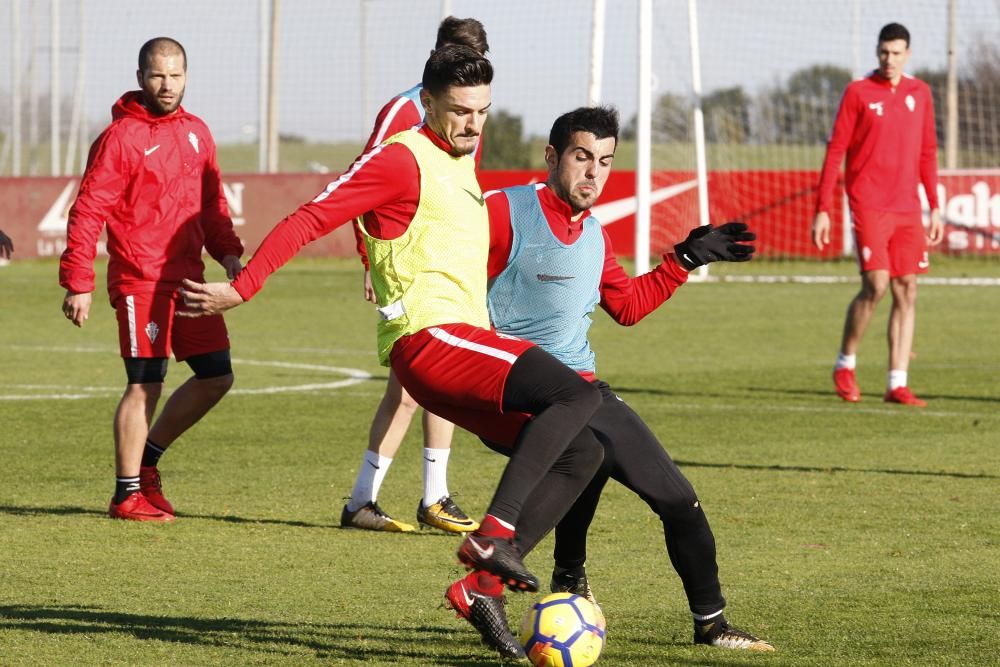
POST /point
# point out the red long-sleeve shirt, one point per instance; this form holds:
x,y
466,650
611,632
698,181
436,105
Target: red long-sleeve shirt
x,y
627,300
383,184
400,113
889,139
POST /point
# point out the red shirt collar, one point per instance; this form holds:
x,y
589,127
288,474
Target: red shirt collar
x,y
877,78
435,139
551,201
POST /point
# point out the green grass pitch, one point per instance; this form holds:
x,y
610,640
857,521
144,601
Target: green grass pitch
x,y
847,534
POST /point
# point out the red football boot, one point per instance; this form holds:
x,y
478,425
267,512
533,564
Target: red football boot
x,y
846,384
903,396
137,508
486,614
149,484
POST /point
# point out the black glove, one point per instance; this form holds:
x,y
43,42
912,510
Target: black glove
x,y
708,244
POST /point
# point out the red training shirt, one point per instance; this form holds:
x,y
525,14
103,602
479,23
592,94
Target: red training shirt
x,y
383,184
399,114
889,138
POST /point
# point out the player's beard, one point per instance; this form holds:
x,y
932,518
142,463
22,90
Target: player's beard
x,y
466,148
162,107
581,202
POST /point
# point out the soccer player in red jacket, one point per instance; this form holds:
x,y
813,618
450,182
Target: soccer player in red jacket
x,y
550,264
396,409
885,126
153,179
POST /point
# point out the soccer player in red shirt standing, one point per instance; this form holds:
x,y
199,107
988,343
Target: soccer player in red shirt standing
x,y
885,126
152,177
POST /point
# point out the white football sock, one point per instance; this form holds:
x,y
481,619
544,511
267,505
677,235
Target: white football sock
x,y
373,470
897,379
435,475
845,361
706,617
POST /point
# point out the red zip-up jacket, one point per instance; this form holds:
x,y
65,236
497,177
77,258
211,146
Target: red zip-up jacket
x,y
154,180
888,137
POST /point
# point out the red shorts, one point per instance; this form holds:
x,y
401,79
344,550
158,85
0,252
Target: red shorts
x,y
458,371
147,327
893,242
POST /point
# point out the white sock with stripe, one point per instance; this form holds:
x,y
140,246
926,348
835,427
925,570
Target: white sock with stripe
x,y
845,361
369,480
435,475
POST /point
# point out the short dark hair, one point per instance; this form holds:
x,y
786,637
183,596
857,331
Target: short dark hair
x,y
602,122
893,31
466,32
455,65
158,46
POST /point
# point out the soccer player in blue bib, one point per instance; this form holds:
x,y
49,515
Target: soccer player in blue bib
x,y
550,265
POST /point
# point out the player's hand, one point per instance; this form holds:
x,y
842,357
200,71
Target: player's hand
x,y
76,307
937,228
821,230
6,246
725,243
369,292
232,265
207,298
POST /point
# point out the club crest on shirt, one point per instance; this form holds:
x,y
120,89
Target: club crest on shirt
x,y
877,106
152,330
194,140
911,103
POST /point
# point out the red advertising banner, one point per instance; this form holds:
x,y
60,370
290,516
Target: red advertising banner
x,y
777,204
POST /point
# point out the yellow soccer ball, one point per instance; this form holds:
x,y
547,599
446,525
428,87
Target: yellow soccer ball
x,y
563,630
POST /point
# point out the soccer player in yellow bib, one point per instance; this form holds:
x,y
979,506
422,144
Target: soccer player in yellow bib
x,y
428,245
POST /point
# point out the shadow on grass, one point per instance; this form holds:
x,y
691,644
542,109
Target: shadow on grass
x,y
883,471
876,396
401,644
69,510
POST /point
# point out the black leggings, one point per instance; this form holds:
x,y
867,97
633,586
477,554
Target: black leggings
x,y
562,402
634,457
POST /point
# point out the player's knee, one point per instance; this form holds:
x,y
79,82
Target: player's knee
x,y
406,403
218,386
904,289
677,508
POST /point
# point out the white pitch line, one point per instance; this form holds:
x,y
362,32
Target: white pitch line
x,y
936,281
64,348
72,393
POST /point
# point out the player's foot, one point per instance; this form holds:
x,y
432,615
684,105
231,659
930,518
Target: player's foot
x,y
137,508
486,613
573,581
846,384
372,517
903,396
500,557
149,484
720,633
446,515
